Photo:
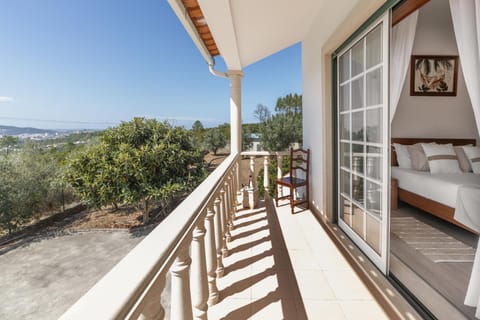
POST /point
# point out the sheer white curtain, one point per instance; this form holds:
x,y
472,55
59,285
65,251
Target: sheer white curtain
x,y
403,36
466,23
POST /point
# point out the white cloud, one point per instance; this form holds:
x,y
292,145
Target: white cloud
x,y
5,99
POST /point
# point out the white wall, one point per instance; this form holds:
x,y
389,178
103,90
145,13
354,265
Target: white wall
x,y
435,117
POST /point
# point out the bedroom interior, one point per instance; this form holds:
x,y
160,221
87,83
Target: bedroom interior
x,y
433,233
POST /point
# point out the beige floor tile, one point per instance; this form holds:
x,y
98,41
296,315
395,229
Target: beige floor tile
x,y
323,310
362,310
281,285
347,285
313,285
303,260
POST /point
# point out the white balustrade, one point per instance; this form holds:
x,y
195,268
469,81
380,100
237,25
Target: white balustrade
x,y
181,303
265,173
211,257
279,174
198,275
218,236
199,226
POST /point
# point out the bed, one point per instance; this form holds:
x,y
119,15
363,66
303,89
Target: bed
x,y
435,194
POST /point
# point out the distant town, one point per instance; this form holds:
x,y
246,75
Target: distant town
x,y
28,133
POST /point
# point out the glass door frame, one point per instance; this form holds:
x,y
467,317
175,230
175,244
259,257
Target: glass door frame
x,y
382,260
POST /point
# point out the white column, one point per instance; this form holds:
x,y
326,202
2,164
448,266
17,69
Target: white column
x,y
235,77
198,275
218,236
211,254
279,174
181,303
265,175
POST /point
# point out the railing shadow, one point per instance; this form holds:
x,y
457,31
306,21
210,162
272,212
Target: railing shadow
x,y
291,303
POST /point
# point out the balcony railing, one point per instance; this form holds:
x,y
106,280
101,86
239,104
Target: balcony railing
x,y
190,244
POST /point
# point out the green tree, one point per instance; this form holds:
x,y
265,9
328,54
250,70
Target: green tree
x,y
198,133
136,163
280,130
215,139
8,142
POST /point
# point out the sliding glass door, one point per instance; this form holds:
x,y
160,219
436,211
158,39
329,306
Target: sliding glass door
x,y
362,141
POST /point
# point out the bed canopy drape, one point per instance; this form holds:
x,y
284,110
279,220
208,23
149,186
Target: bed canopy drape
x,y
466,24
403,36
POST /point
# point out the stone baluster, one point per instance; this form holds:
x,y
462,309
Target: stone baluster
x,y
153,308
252,171
181,303
218,236
265,174
226,231
198,275
279,174
211,255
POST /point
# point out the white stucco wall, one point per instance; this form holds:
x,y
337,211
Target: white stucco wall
x,y
325,35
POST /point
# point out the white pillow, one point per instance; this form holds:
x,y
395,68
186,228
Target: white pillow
x,y
403,157
473,155
441,158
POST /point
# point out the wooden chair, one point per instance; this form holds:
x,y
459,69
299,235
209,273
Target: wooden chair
x,y
299,161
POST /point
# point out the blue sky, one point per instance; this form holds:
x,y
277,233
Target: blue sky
x,y
91,64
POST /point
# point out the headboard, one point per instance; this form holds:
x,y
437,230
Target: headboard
x,y
455,142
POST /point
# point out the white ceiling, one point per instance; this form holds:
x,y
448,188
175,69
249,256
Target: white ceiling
x,y
249,30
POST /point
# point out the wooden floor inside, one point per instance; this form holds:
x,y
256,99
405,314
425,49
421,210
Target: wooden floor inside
x,y
450,279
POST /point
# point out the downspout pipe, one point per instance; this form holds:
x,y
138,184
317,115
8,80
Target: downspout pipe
x,y
216,72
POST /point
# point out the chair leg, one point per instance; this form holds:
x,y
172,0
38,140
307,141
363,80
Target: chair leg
x,y
292,199
276,194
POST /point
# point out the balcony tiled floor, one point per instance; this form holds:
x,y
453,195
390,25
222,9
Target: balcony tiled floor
x,y
284,266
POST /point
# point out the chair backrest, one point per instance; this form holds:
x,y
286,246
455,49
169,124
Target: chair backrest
x,y
299,161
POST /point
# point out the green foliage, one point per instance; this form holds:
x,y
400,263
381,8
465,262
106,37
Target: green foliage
x,y
135,163
272,175
198,134
27,185
8,142
215,139
280,130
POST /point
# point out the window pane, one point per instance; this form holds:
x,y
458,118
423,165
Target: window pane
x,y
346,211
357,58
345,182
374,198
357,189
357,93
345,97
374,125
374,235
345,126
374,47
357,220
374,163
357,126
344,67
374,87
358,158
345,155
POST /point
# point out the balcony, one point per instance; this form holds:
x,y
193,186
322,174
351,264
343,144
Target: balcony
x,y
221,261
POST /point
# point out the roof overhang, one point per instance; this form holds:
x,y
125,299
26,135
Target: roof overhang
x,y
246,31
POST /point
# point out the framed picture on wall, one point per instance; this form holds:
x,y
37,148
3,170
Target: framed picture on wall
x,y
433,75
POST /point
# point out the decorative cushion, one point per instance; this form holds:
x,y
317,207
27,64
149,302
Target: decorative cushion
x,y
463,159
441,158
473,155
403,158
418,157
